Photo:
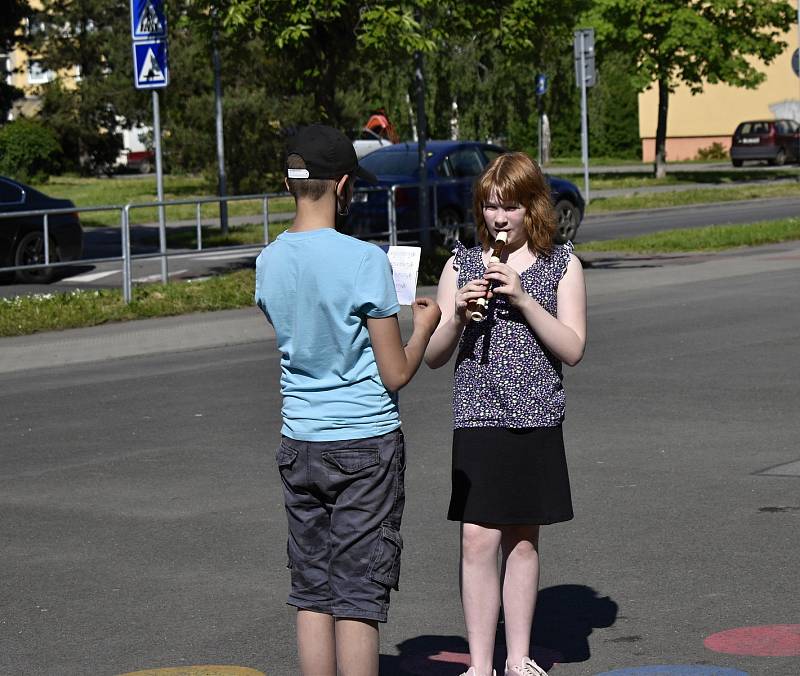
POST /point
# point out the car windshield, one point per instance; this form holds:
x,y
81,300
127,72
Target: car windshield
x,y
393,163
754,128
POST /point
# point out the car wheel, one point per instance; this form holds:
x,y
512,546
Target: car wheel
x,y
448,230
568,220
779,159
30,251
145,167
736,163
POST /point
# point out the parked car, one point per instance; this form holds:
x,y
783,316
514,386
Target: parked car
x,y
776,141
22,237
452,167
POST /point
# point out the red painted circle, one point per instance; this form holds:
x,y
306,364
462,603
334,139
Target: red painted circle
x,y
773,640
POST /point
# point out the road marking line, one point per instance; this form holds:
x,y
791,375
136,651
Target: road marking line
x,y
223,257
91,276
155,278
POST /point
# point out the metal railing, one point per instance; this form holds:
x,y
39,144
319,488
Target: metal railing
x,y
366,219
387,229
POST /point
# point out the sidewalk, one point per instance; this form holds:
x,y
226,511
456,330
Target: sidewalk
x,y
606,273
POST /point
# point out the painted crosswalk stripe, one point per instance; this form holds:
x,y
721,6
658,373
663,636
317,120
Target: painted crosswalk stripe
x,y
91,276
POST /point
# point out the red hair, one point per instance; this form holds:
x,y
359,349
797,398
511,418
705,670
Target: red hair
x,y
515,177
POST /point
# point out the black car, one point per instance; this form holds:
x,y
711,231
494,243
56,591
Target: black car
x,y
22,237
776,141
452,167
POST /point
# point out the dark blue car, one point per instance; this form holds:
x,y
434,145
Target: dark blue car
x,y
452,168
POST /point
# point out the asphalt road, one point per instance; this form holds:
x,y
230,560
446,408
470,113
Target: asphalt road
x,y
142,524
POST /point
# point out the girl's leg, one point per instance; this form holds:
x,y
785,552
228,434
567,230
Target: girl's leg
x,y
520,545
357,646
316,644
480,592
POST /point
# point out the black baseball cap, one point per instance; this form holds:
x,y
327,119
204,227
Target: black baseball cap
x,y
327,153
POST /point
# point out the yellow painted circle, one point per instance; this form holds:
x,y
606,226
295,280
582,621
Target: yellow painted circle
x,y
203,670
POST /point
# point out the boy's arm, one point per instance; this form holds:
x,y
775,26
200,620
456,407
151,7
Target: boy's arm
x,y
397,363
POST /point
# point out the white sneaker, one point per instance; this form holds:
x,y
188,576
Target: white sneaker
x,y
471,672
525,668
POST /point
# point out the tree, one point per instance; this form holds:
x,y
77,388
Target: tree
x,y
85,42
692,42
12,12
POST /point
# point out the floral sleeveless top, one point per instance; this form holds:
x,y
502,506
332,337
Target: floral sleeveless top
x,y
503,376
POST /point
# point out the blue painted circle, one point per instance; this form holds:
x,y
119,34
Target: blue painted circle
x,y
675,670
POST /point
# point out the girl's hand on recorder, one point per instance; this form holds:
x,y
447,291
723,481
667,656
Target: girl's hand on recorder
x,y
506,282
471,291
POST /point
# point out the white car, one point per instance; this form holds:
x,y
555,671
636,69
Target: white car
x,y
368,141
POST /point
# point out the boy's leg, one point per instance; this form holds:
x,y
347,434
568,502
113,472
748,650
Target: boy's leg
x,y
480,592
520,546
357,646
316,644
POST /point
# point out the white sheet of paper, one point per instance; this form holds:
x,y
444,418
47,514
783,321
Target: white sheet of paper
x,y
405,269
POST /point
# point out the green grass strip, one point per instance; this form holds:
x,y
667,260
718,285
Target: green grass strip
x,y
688,197
24,315
710,238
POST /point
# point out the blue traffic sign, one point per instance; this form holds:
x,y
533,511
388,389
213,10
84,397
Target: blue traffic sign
x,y
148,21
796,62
151,68
541,84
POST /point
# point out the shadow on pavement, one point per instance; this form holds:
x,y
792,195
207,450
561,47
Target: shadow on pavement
x,y
564,620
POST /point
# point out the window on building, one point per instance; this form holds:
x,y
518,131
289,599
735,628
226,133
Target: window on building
x,y
37,74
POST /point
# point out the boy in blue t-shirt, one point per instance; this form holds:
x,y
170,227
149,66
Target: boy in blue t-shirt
x,y
332,302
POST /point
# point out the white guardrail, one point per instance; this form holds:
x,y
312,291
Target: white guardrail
x,y
386,230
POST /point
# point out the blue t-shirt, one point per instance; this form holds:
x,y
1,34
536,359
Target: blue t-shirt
x,y
317,289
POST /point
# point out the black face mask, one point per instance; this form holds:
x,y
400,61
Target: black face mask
x,y
342,222
343,210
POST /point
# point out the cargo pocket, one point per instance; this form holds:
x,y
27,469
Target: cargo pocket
x,y
384,565
352,460
285,456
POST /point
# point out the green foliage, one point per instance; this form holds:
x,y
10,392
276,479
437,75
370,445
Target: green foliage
x,y
28,150
716,151
12,12
86,111
692,43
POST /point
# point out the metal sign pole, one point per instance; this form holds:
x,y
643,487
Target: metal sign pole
x,y
584,123
162,227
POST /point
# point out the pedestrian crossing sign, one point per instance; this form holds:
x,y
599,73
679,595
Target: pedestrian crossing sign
x,y
151,69
148,20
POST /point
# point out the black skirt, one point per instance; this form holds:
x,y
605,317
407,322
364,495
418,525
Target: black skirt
x,y
509,476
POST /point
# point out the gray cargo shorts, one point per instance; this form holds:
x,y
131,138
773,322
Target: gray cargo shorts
x,y
344,503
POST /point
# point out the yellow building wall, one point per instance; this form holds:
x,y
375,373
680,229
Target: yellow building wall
x,y
20,76
695,122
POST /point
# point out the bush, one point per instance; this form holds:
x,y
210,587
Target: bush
x,y
716,151
29,151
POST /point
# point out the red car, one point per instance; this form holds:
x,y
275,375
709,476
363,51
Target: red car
x,y
776,141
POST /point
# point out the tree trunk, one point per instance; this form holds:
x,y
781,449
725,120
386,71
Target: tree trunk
x,y
661,129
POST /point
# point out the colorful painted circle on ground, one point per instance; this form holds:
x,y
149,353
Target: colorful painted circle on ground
x,y
772,640
675,670
202,670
